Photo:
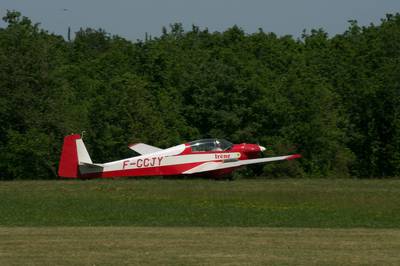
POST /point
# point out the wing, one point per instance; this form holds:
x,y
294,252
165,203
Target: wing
x,y
211,166
142,148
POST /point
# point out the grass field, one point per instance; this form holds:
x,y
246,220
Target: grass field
x,y
267,203
197,246
203,222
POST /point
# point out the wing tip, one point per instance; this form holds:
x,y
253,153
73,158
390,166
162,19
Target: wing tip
x,y
294,156
130,145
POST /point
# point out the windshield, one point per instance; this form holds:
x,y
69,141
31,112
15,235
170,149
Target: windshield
x,y
210,145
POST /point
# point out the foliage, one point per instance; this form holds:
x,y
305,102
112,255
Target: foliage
x,y
336,100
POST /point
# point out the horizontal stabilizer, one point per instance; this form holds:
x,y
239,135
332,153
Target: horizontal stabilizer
x,y
92,165
87,168
142,148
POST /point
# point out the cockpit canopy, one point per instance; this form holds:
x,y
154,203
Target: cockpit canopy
x,y
210,145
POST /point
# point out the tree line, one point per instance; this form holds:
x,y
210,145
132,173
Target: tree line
x,y
334,99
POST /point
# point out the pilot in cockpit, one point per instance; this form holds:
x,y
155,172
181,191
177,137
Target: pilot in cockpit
x,y
217,146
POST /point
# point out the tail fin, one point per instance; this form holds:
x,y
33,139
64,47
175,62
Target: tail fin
x,y
73,154
75,160
68,166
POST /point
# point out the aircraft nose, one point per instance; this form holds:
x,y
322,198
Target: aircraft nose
x,y
262,148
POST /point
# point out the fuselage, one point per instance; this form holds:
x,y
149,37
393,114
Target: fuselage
x,y
175,160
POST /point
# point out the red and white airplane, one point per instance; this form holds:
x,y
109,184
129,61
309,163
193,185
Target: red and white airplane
x,y
214,157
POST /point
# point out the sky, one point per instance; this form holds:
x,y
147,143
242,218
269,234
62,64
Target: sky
x,y
131,19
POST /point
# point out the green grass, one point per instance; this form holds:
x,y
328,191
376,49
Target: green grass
x,y
197,246
200,222
307,203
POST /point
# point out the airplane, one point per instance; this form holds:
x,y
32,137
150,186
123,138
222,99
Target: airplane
x,y
212,157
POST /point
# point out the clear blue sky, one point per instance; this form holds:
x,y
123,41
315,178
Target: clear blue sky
x,y
131,19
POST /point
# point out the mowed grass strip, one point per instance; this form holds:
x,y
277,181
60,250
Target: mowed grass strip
x,y
197,246
322,203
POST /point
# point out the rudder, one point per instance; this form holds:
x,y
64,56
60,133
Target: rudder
x,y
68,166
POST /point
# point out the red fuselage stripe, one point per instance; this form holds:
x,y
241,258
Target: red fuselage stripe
x,y
149,171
